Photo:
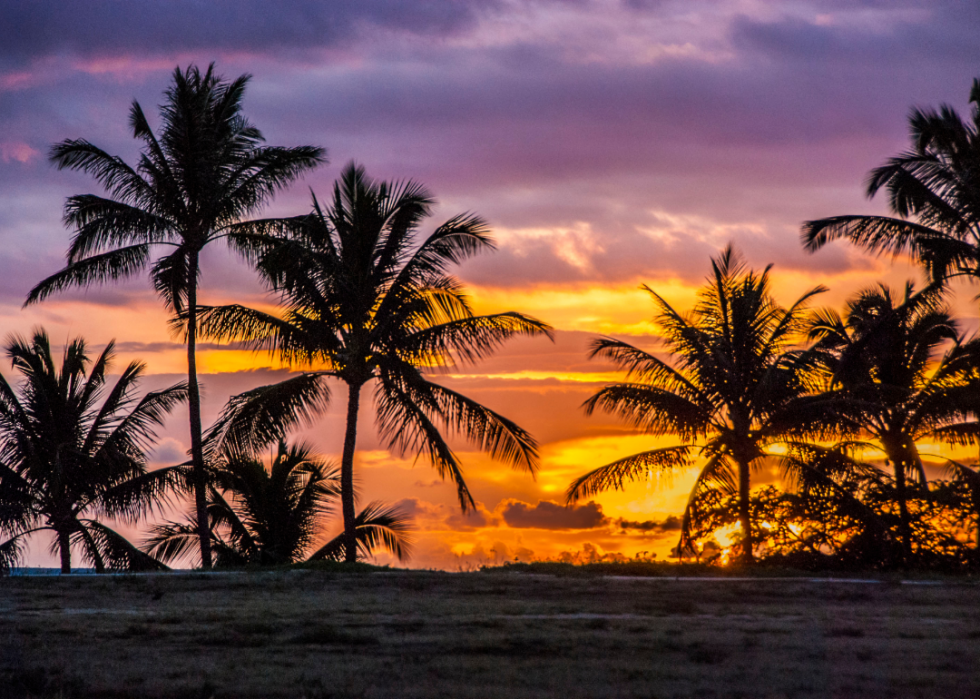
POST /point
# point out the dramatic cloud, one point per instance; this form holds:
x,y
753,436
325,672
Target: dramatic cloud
x,y
669,524
551,515
110,28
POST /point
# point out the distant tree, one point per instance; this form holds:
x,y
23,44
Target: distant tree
x,y
193,185
732,390
933,190
274,516
66,460
370,302
899,373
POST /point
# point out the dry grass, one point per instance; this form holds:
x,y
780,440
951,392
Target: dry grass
x,y
502,634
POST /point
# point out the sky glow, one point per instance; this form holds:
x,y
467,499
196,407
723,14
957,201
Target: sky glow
x,y
610,143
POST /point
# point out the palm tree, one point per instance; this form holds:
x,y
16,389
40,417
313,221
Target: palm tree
x,y
192,185
273,516
368,302
933,189
899,372
735,389
66,460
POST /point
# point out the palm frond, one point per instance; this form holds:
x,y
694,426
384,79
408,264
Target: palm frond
x,y
96,269
118,553
405,425
254,419
615,475
377,527
468,340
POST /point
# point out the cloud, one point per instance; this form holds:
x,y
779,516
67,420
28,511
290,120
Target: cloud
x,y
550,515
35,28
668,524
475,518
16,151
169,452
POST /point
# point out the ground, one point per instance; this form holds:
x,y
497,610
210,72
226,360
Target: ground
x,y
485,634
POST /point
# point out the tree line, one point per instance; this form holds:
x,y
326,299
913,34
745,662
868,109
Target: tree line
x,y
749,383
367,299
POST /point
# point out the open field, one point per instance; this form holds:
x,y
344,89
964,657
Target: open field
x,y
497,634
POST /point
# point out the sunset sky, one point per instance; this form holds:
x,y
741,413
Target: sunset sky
x,y
610,143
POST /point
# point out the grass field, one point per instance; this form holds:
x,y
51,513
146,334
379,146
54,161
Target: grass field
x,y
495,634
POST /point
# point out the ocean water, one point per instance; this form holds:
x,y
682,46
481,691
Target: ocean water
x,y
24,572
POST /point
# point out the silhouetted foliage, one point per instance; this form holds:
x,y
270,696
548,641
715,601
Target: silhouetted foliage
x,y
192,185
934,192
367,300
275,515
898,373
733,390
66,460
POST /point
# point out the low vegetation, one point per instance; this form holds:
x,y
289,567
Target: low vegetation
x,y
499,633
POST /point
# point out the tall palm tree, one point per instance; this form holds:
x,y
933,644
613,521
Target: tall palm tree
x,y
899,373
192,185
370,301
734,389
65,460
934,192
274,516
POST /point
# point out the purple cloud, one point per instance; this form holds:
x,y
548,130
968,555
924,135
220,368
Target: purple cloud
x,y
31,29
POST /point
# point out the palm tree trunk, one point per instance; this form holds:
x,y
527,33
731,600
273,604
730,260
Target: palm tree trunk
x,y
347,474
64,546
748,540
194,410
905,529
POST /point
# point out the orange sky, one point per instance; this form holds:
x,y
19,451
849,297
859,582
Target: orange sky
x,y
540,384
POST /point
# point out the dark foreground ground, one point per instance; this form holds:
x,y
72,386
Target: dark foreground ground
x,y
502,634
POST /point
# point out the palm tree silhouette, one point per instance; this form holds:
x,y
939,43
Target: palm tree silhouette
x,y
368,302
66,460
192,185
891,379
933,189
735,390
273,516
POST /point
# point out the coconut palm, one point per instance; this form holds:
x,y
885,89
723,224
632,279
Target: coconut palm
x,y
65,460
274,516
367,300
933,189
733,390
192,185
899,373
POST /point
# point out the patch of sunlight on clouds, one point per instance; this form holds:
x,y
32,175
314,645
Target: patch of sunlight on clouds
x,y
661,493
530,375
612,309
231,360
574,457
576,245
462,548
673,229
382,458
608,32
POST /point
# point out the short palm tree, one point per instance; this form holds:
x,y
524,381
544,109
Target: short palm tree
x,y
369,301
193,185
934,192
65,460
274,516
734,389
899,373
